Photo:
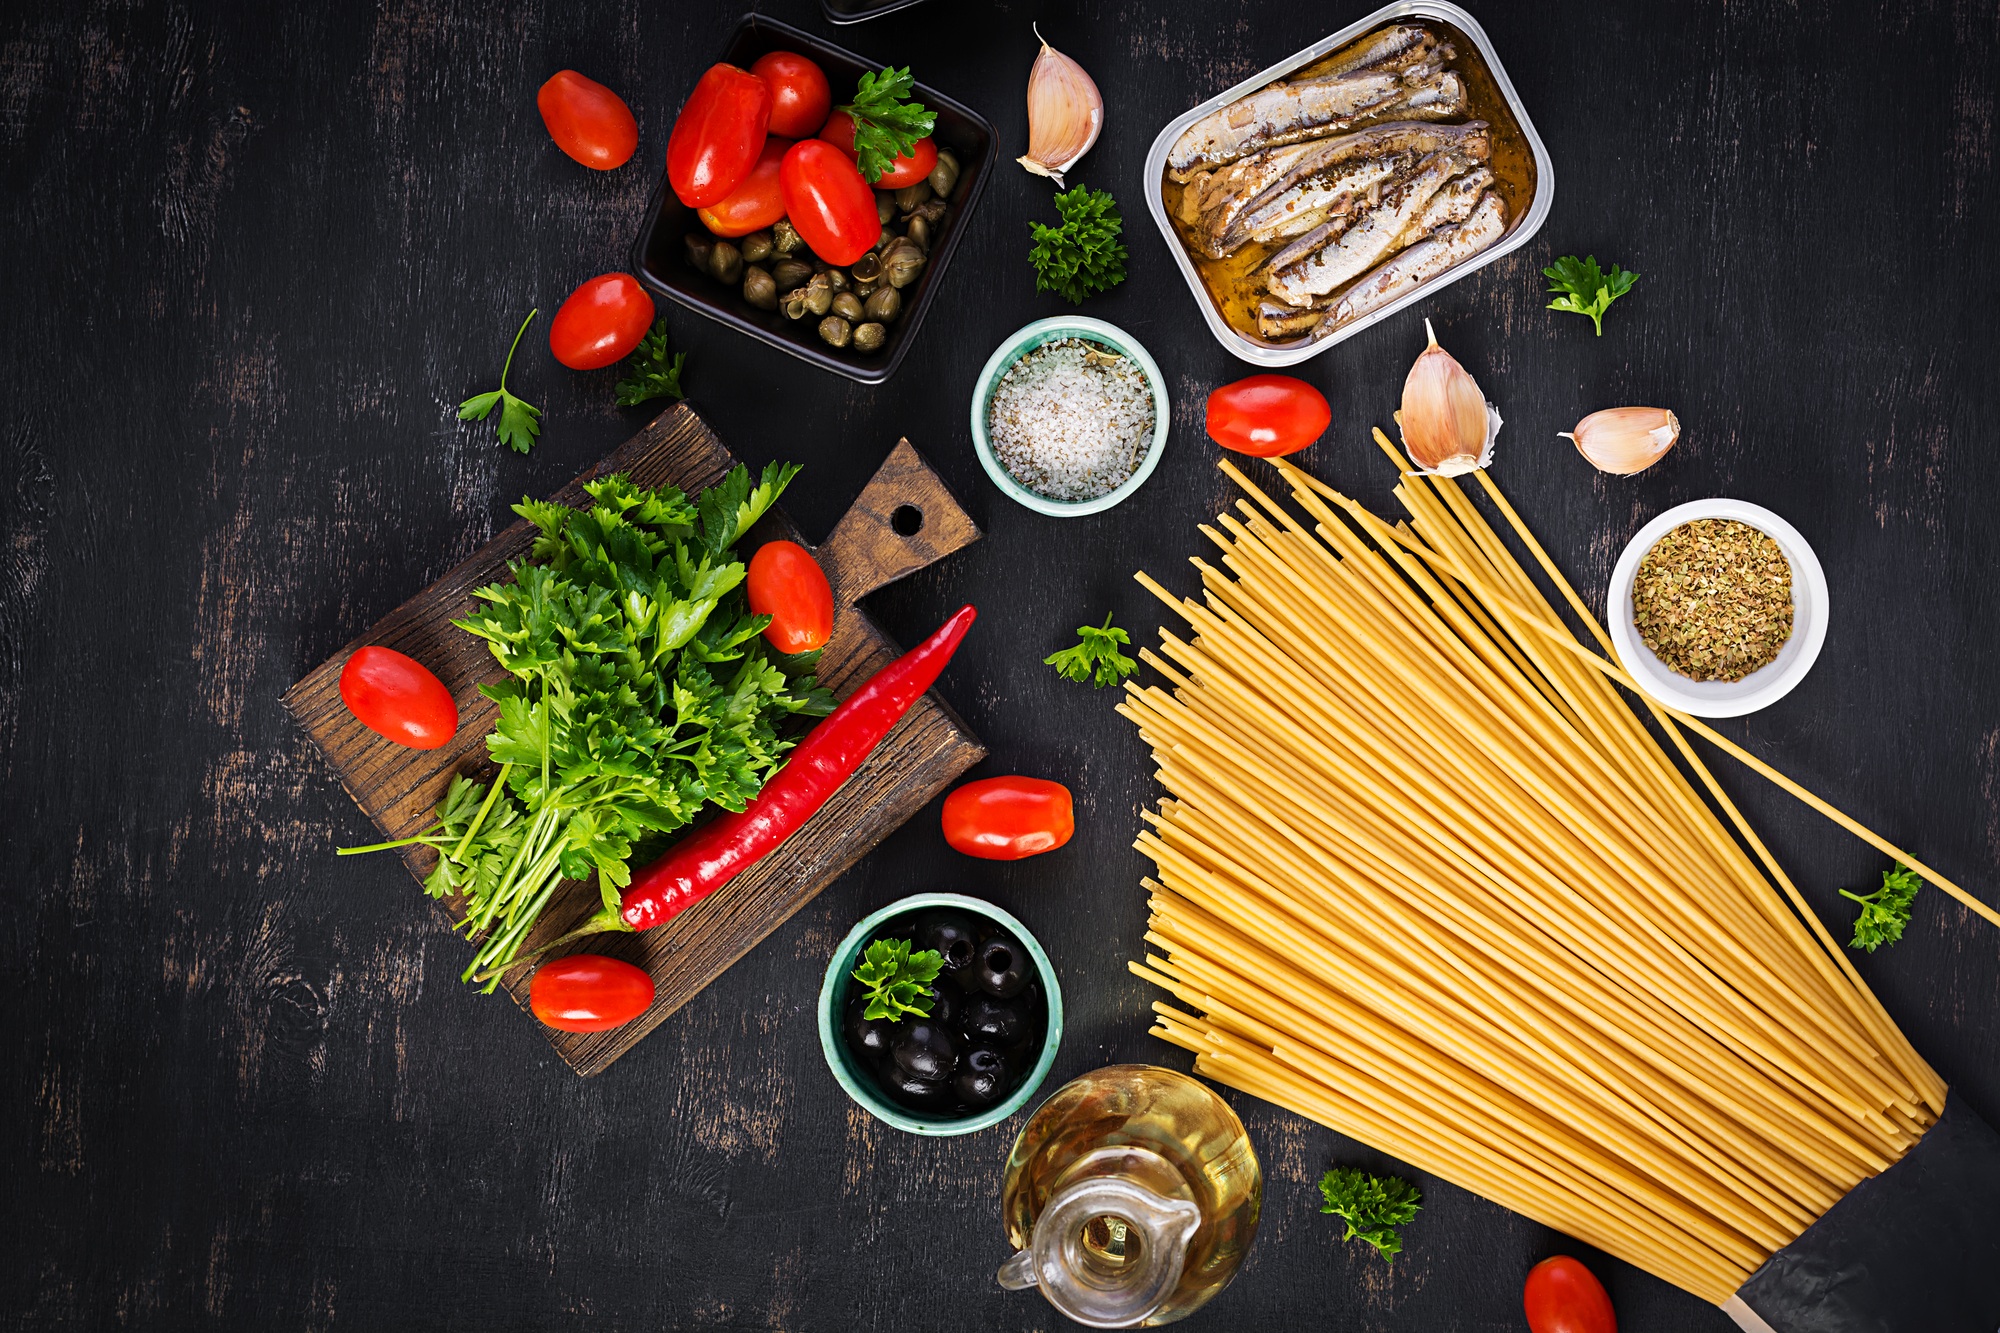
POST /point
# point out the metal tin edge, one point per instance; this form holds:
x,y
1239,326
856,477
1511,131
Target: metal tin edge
x,y
1265,354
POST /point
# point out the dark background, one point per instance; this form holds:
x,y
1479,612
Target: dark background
x,y
252,256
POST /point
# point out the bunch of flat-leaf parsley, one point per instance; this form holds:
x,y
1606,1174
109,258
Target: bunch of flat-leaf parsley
x,y
1095,656
639,690
895,981
1886,911
1084,254
1585,288
1372,1206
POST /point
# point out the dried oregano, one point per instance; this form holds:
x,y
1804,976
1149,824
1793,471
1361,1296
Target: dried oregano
x,y
1713,599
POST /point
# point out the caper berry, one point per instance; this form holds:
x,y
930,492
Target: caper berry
x,y
870,337
836,331
848,306
919,231
725,262
785,238
759,289
863,287
699,246
868,268
885,206
883,305
902,263
790,273
794,303
945,174
819,294
756,247
839,279
910,196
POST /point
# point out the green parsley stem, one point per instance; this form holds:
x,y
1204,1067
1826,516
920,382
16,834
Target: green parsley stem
x,y
517,342
499,781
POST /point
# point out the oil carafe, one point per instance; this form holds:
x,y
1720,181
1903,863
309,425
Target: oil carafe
x,y
1131,1198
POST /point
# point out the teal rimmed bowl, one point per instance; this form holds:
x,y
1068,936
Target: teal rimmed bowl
x,y
861,1085
1025,340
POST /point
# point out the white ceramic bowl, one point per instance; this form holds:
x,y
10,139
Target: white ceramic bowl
x,y
1762,687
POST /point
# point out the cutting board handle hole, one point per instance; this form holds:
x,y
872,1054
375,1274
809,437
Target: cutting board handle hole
x,y
907,521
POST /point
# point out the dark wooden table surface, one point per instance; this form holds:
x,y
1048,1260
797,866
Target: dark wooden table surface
x,y
254,255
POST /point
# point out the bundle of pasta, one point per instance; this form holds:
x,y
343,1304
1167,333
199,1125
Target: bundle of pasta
x,y
1427,878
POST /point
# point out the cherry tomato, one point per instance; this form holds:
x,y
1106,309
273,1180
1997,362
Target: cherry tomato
x,y
397,697
828,202
757,202
1562,1296
587,120
601,322
587,992
1267,415
787,584
799,93
718,135
1005,819
839,131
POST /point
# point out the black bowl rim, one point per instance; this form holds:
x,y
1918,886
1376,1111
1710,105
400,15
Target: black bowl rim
x,y
835,16
913,318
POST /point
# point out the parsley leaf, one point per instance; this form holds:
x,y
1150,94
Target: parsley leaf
x,y
1588,290
1084,254
1372,1206
1886,911
885,126
894,979
520,422
651,373
1096,658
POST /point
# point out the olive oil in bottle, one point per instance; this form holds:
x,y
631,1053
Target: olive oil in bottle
x,y
1131,1198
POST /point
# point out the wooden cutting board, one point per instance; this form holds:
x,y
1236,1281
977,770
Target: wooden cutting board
x,y
903,520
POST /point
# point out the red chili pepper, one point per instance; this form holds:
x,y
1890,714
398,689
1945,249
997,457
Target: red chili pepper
x,y
720,850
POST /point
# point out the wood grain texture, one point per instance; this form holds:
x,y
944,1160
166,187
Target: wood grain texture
x,y
400,788
257,255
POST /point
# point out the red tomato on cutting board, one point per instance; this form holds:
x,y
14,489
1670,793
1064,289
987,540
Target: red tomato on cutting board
x,y
587,992
587,120
1007,818
397,697
1562,1296
787,584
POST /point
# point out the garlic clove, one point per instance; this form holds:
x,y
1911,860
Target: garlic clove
x,y
1625,440
1448,426
1065,113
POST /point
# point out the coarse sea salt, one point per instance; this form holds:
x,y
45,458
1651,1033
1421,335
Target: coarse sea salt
x,y
1071,420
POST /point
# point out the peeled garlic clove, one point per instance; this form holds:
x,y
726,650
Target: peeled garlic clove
x,y
1065,113
1625,440
1448,426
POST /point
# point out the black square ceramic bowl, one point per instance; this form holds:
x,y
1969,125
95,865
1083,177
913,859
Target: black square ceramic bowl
x,y
856,11
659,255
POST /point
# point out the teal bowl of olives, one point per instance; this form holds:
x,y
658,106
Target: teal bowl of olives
x,y
958,1052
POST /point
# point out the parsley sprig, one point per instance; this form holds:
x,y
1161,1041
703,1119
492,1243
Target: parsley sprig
x,y
1886,911
1095,657
1084,254
896,981
651,373
638,691
886,126
520,422
1587,289
1372,1206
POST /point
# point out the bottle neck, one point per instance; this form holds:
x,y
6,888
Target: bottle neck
x,y
1109,1248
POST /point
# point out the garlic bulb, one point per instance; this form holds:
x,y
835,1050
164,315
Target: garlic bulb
x,y
1624,440
1065,113
1448,426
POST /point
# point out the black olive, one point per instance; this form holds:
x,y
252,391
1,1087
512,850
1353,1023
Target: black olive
x,y
924,1048
869,1036
956,937
983,1077
945,1002
1001,1022
921,1094
1002,967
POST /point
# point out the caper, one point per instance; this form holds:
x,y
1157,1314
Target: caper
x,y
699,246
870,337
794,303
863,287
835,330
931,211
790,273
756,247
867,268
883,305
725,262
839,279
882,241
885,206
785,238
910,196
759,289
945,174
919,231
848,306
902,263
819,294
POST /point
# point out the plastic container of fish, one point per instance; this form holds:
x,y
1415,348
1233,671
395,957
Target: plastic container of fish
x,y
1261,352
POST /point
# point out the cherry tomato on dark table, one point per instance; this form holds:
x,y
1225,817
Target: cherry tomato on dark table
x,y
907,170
1562,1296
787,584
800,96
601,322
397,697
718,135
587,992
1007,818
827,201
587,120
1267,415
755,204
